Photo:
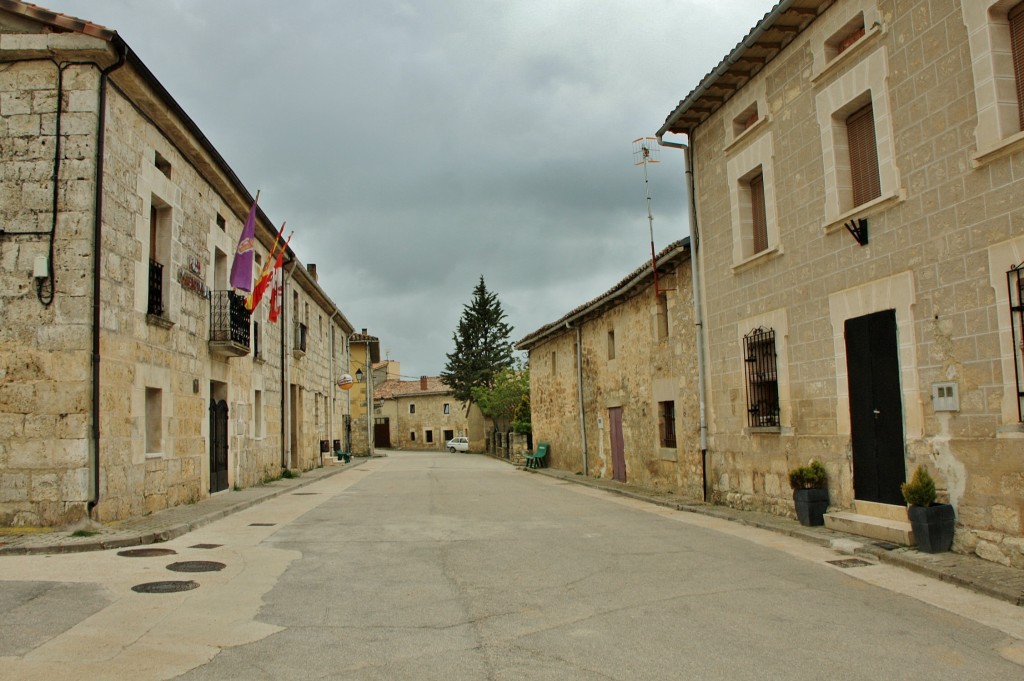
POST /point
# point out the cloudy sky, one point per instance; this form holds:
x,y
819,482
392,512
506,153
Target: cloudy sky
x,y
415,145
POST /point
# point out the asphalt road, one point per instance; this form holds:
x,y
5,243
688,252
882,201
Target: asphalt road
x,y
454,566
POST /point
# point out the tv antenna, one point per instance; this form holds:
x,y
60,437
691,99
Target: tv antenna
x,y
645,150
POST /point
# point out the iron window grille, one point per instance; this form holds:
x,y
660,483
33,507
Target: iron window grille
x,y
257,350
155,304
1015,286
229,320
762,378
667,418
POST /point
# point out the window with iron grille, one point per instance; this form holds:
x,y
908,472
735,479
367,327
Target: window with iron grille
x,y
667,423
1016,19
1015,285
860,135
762,378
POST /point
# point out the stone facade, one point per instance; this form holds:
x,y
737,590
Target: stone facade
x,y
423,414
633,354
105,404
945,227
364,353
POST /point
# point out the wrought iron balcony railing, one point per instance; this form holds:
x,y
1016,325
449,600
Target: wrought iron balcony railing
x,y
229,324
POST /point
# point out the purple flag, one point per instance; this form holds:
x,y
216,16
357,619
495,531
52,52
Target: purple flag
x,y
241,267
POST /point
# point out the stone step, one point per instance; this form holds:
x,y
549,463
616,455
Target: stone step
x,y
877,510
884,529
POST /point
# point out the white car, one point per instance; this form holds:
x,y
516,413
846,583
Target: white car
x,y
458,444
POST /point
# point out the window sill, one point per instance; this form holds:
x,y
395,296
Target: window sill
x,y
154,455
157,320
747,134
871,37
1010,145
865,210
668,454
747,263
763,430
1010,431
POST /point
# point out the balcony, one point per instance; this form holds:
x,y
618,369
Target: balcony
x,y
229,325
155,302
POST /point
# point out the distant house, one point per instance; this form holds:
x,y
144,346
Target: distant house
x,y
857,180
132,377
423,414
364,356
613,383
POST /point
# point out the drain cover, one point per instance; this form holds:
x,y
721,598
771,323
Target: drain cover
x,y
146,553
169,587
206,546
849,563
262,524
196,566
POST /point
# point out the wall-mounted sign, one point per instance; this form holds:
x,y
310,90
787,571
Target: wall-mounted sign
x,y
191,281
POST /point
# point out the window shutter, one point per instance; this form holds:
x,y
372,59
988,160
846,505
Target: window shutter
x,y
1017,51
860,133
758,214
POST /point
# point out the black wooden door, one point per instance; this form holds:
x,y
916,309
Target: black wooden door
x,y
218,446
382,432
876,408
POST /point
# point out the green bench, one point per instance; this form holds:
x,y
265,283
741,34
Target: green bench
x,y
538,458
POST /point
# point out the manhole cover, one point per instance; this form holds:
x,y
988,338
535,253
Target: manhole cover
x,y
146,553
261,524
169,587
206,546
196,566
849,563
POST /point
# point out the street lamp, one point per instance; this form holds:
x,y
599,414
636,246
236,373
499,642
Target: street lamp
x,y
359,375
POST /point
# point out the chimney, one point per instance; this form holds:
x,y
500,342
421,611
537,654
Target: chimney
x,y
311,268
364,332
423,382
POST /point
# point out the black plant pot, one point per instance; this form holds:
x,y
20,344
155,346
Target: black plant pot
x,y
933,526
811,505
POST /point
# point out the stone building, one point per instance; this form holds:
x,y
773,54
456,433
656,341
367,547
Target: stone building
x,y
613,383
423,414
364,355
131,378
857,183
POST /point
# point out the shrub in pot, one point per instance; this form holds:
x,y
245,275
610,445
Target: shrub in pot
x,y
810,492
932,523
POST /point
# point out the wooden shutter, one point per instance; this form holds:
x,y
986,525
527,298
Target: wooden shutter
x,y
758,214
860,133
1017,51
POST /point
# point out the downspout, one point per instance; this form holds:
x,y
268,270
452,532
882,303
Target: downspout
x,y
579,395
697,301
97,236
285,376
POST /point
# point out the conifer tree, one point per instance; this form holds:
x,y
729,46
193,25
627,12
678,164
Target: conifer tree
x,y
482,345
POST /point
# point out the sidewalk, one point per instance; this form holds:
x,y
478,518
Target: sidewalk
x,y
969,572
162,525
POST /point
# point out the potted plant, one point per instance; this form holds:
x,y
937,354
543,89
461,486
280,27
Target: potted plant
x,y
932,523
810,493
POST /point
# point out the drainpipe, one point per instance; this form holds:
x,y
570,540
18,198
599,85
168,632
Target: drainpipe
x,y
285,374
97,236
579,394
697,300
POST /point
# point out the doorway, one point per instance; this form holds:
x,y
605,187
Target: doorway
x,y
876,407
218,445
618,444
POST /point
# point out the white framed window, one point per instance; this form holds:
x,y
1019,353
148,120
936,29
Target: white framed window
x,y
852,109
755,228
995,30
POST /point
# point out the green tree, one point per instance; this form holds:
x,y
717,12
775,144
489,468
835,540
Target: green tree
x,y
482,345
508,400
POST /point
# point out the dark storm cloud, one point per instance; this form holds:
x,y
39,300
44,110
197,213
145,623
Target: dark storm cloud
x,y
414,146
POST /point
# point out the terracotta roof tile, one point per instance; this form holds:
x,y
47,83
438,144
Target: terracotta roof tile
x,y
57,20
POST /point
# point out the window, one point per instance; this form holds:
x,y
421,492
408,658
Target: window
x,y
257,414
447,408
412,436
159,257
611,345
221,222
154,420
162,164
663,315
667,423
412,408
1016,19
758,215
746,120
995,30
845,37
430,436
860,136
554,362
1015,286
762,378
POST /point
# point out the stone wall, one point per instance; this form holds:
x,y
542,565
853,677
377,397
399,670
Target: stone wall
x,y
942,237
